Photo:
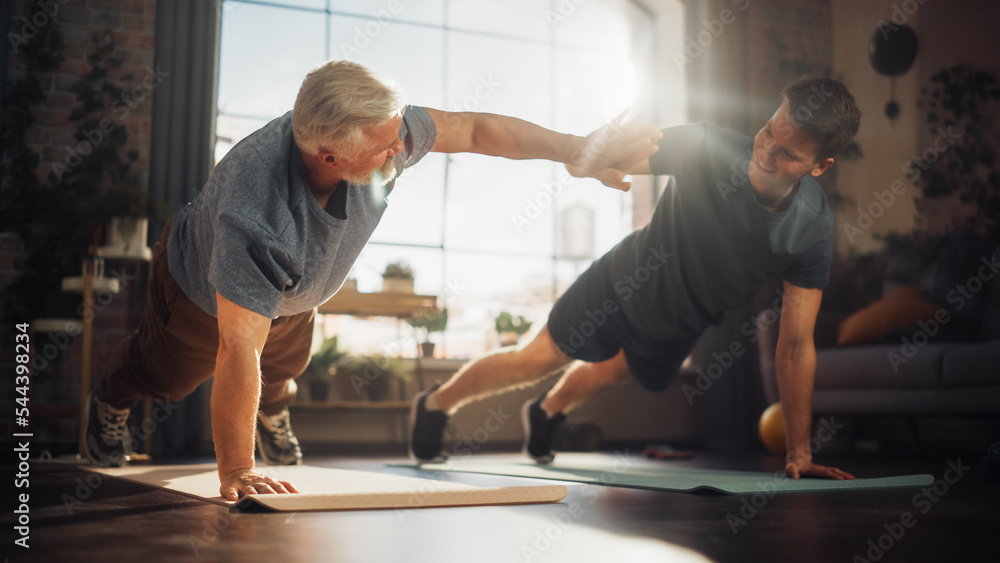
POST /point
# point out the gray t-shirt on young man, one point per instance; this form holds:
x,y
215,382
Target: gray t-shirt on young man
x,y
711,246
257,236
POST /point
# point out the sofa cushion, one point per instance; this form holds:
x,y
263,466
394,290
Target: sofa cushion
x,y
882,366
972,364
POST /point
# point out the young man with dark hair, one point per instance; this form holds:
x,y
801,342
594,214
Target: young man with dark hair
x,y
736,212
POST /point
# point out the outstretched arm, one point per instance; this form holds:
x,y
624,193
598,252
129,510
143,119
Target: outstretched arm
x,y
796,366
606,154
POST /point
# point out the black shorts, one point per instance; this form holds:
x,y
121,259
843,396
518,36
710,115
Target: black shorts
x,y
587,323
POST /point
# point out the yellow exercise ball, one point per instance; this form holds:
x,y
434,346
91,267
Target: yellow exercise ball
x,y
772,429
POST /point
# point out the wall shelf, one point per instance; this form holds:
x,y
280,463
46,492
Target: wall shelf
x,y
399,305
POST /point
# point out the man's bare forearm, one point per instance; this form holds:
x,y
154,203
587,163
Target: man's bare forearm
x,y
235,400
795,387
510,137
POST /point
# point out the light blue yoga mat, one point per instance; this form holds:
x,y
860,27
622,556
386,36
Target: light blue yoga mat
x,y
640,473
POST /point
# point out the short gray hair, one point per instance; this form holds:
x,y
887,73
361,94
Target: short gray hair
x,y
336,102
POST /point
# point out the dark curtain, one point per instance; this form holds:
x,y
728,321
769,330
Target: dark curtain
x,y
183,144
183,148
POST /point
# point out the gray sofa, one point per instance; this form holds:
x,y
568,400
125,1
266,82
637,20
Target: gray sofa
x,y
955,370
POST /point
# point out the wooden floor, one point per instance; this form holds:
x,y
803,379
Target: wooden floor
x,y
119,521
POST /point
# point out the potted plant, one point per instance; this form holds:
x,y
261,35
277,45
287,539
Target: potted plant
x,y
397,278
372,376
322,369
429,323
511,328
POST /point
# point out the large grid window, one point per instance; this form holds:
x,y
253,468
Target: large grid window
x,y
484,234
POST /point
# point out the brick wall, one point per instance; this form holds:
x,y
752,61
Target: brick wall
x,y
52,136
132,23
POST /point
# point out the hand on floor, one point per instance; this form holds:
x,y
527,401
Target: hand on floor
x,y
242,482
808,469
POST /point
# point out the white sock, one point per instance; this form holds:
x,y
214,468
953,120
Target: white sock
x,y
430,404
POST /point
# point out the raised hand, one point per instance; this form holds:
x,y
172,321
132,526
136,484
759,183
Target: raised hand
x,y
609,153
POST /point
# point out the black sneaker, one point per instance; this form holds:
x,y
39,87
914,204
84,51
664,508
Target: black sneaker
x,y
426,430
276,442
108,438
539,430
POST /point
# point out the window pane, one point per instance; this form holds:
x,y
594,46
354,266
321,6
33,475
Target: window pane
x,y
415,214
423,11
524,19
499,76
597,25
410,55
259,74
482,286
499,206
230,130
314,4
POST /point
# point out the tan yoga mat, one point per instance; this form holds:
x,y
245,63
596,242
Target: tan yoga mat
x,y
325,488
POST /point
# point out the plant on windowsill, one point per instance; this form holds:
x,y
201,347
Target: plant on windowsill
x,y
397,278
322,369
511,328
428,323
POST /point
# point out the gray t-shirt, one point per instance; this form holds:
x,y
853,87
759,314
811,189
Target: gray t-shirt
x,y
257,236
711,246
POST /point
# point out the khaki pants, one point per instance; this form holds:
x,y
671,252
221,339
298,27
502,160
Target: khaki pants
x,y
174,349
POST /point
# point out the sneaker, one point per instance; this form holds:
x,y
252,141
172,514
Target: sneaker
x,y
276,442
539,430
426,430
107,434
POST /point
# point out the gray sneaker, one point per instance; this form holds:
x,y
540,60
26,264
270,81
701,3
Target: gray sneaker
x,y
276,442
108,438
